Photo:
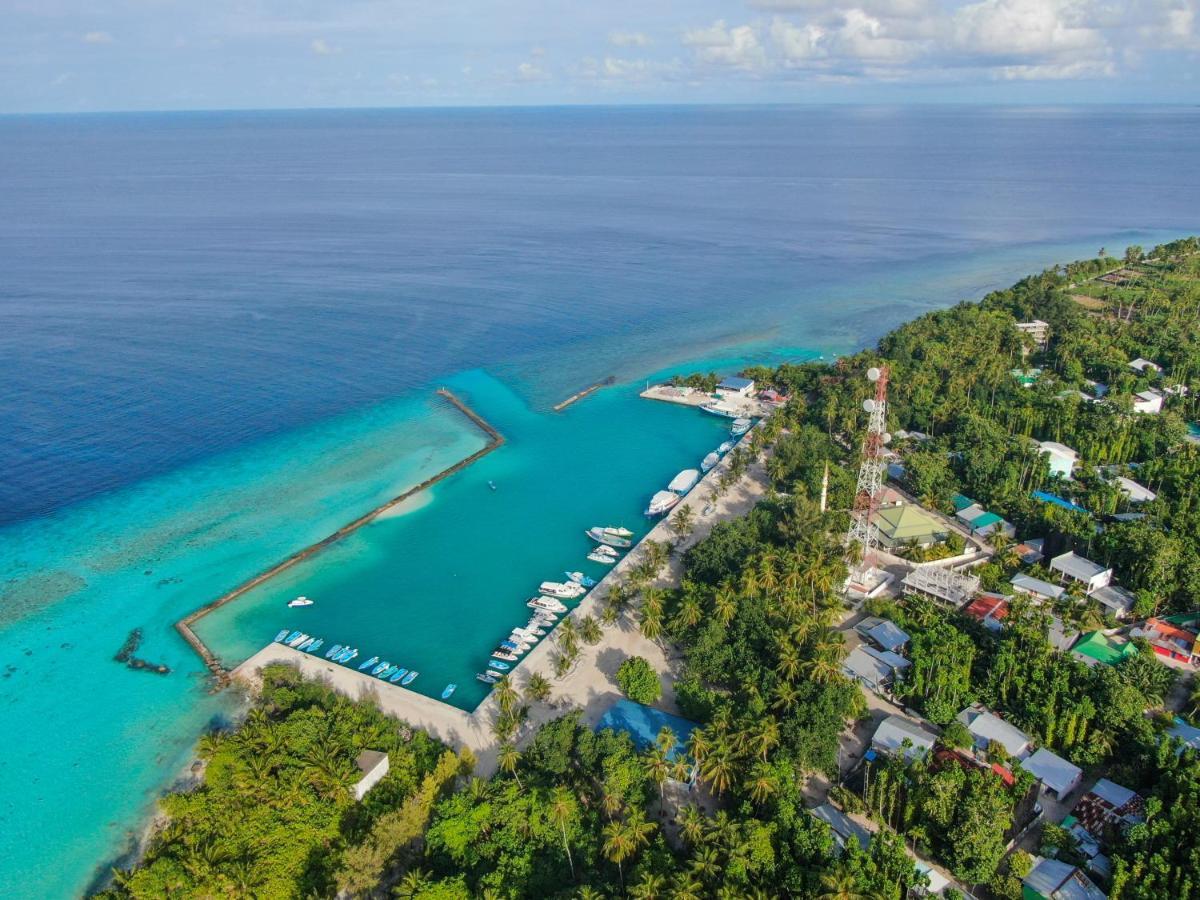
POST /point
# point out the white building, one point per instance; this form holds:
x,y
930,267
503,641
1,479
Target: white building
x,y
1134,491
1149,402
1038,330
1035,587
735,387
895,730
1141,365
1062,458
374,765
1057,776
1092,576
986,727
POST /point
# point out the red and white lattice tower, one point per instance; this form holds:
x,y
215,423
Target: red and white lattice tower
x,y
870,471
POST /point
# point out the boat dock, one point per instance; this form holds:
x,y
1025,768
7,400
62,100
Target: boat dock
x,y
687,396
184,625
586,392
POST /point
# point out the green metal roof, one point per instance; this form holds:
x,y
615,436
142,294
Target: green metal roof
x,y
1100,647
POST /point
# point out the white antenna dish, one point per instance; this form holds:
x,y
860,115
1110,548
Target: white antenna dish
x,y
887,437
873,374
869,405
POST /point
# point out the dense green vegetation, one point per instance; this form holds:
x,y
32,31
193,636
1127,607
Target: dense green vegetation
x,y
573,813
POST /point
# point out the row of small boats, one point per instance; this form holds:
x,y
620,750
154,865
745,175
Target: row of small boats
x,y
343,653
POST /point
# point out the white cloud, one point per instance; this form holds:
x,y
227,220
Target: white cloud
x,y
718,44
528,71
322,47
97,37
798,43
628,39
1034,39
629,71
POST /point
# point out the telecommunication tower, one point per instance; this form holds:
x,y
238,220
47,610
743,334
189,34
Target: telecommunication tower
x,y
870,470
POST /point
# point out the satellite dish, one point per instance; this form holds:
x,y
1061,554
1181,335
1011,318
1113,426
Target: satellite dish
x,y
887,437
869,405
873,374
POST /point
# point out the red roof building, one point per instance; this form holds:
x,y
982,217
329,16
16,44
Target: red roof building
x,y
989,609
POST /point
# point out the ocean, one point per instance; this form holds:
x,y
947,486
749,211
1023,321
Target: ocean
x,y
220,334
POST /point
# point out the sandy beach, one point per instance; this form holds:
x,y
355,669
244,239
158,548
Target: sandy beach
x,y
590,685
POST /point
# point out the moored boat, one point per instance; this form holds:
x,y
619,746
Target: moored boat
x,y
709,461
661,502
719,409
300,601
298,641
725,447
397,675
504,654
613,537
410,677
379,668
601,558
580,578
279,637
684,481
498,666
485,677
317,645
346,655
563,590
333,651
740,427
546,603
449,689
304,645
370,662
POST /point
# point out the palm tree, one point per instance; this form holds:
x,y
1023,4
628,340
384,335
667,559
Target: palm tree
x,y
706,863
658,767
766,737
618,845
650,887
717,768
840,885
506,694
786,697
692,823
789,661
725,603
562,812
568,634
651,626
762,785
412,884
587,892
684,520
690,614
698,744
823,669
508,759
687,887
537,687
589,630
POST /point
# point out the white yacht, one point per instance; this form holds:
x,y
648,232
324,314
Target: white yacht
x,y
563,590
725,447
661,503
601,558
613,537
740,427
684,481
546,603
709,461
300,601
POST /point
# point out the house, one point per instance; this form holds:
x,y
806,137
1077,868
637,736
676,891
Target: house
x,y
986,727
770,395
1057,776
978,519
1188,734
1078,568
1149,402
1108,808
1116,601
893,731
1144,365
864,665
1098,389
1027,378
942,583
1035,587
643,723
373,764
1047,497
1134,491
1062,458
1030,551
734,386
844,828
1053,879
1174,638
988,609
899,526
887,636
1037,330
1098,648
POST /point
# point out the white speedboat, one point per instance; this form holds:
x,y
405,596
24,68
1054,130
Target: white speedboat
x,y
546,603
298,641
504,654
740,427
601,558
300,601
563,590
684,481
709,461
580,578
661,503
613,537
524,637
725,447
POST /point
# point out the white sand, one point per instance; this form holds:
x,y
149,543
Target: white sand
x,y
590,685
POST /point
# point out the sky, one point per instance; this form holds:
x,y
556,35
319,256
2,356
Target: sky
x,y
93,55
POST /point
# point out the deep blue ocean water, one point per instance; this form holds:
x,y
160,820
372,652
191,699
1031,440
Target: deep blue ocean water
x,y
219,334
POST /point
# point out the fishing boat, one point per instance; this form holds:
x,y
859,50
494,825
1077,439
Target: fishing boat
x,y
498,666
300,601
410,677
725,447
279,637
317,645
563,590
740,427
346,655
613,537
298,641
333,651
370,662
601,558
709,461
684,481
485,677
450,689
661,502
546,603
504,654
719,409
397,675
382,676
580,578
379,668
304,645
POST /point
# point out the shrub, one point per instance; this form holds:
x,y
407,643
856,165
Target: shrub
x,y
638,681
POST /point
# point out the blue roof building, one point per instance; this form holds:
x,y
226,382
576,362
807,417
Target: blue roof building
x,y
643,723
